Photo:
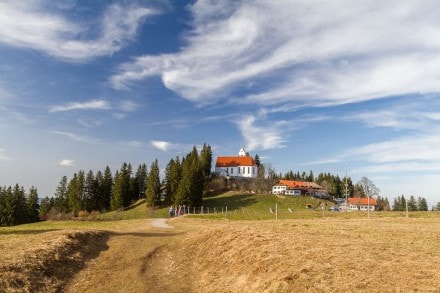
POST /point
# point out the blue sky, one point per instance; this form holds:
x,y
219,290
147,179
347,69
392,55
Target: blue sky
x,y
306,85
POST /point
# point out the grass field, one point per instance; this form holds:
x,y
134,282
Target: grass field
x,y
248,250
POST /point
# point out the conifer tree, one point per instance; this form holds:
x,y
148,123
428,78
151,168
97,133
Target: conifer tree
x,y
412,204
206,160
61,202
117,201
32,205
106,188
152,192
173,175
422,204
74,194
2,206
140,181
91,200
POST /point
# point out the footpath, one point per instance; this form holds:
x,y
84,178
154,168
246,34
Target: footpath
x,y
123,267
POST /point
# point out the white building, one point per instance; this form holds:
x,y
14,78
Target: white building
x,y
242,165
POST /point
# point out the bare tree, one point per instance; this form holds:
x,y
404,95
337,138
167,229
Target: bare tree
x,y
369,189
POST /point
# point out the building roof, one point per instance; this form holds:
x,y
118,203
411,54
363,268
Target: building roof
x,y
235,161
299,184
361,201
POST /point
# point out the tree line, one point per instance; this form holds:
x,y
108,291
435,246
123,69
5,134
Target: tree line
x,y
183,184
420,204
17,207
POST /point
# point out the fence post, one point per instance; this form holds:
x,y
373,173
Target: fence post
x,y
226,212
276,211
201,211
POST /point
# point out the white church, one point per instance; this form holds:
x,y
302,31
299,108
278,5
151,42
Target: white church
x,y
242,165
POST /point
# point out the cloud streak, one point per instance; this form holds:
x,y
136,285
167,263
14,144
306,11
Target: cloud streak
x,y
90,105
319,55
50,32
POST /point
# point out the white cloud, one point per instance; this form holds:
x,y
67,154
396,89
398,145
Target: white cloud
x,y
30,24
89,105
262,136
66,162
332,53
161,145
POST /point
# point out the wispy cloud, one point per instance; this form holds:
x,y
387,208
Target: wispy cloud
x,y
263,136
73,136
67,163
31,25
317,55
89,105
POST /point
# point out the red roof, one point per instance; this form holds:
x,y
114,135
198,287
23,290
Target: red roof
x,y
361,201
235,161
298,184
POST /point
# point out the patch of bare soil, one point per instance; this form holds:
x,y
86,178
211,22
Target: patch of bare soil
x,y
43,262
124,266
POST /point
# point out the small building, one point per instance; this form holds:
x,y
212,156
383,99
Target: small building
x,y
359,204
242,165
291,187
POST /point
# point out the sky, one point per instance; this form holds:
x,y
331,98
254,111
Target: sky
x,y
329,86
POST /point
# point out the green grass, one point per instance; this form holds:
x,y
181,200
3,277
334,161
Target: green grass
x,y
259,207
138,210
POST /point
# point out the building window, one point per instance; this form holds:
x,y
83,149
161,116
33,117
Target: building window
x,y
238,170
249,170
232,170
253,170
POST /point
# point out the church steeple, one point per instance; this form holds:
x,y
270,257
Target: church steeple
x,y
243,153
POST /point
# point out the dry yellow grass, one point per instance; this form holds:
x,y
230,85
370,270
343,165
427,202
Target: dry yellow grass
x,y
308,255
325,255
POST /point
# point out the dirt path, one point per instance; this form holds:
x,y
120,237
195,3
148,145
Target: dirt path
x,y
123,267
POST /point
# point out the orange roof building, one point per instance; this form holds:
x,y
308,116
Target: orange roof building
x,y
289,186
361,204
242,165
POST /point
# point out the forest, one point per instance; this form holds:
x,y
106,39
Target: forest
x,y
185,181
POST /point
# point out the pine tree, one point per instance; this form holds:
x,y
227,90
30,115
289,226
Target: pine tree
x,y
422,204
19,207
2,206
75,191
91,197
61,201
105,188
257,160
140,181
32,205
152,192
116,200
412,204
206,160
172,179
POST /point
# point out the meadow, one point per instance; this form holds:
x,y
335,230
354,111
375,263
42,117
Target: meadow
x,y
244,250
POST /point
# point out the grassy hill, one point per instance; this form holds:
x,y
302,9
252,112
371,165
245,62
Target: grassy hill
x,y
261,207
247,206
240,206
